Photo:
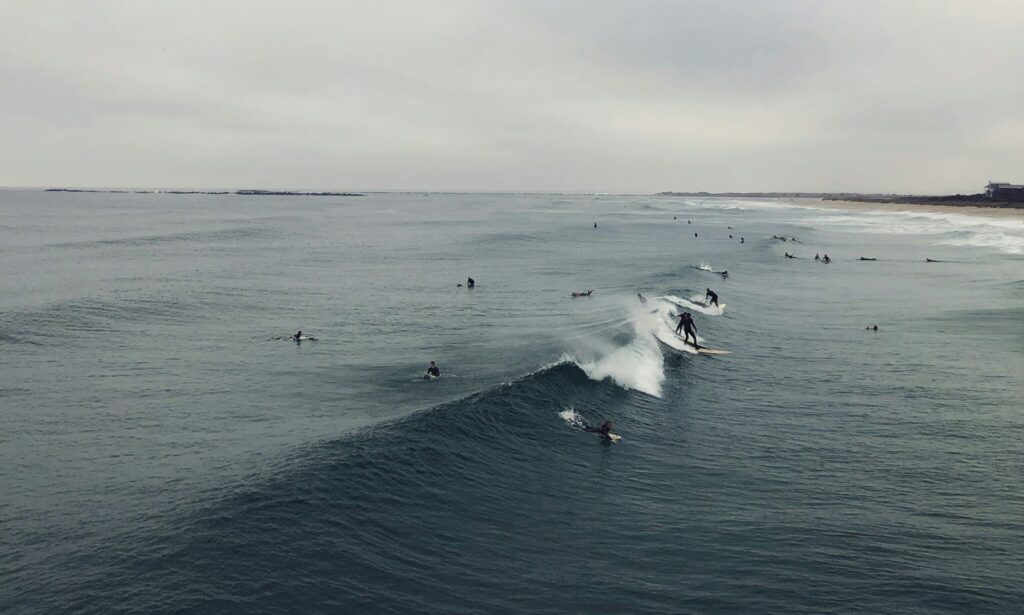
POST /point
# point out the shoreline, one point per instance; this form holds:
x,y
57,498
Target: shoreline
x,y
1004,213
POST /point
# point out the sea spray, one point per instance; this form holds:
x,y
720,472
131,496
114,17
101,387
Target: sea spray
x,y
637,365
572,418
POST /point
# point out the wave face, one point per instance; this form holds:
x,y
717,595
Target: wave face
x,y
164,448
415,516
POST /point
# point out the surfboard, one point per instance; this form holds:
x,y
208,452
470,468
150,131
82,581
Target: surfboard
x,y
614,437
702,349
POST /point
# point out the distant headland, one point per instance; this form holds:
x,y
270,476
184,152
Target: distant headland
x,y
239,192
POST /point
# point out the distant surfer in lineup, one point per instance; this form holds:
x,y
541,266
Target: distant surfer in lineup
x,y
433,371
582,294
788,255
817,257
642,298
711,297
299,338
604,431
686,323
595,225
470,282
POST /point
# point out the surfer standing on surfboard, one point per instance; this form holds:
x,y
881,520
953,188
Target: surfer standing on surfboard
x,y
712,295
686,322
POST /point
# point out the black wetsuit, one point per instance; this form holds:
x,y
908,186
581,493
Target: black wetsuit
x,y
713,296
603,431
434,371
686,323
470,283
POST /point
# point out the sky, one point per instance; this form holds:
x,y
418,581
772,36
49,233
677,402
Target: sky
x,y
639,96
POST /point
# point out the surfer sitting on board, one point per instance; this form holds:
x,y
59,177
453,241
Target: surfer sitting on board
x,y
686,322
433,370
470,282
604,430
712,295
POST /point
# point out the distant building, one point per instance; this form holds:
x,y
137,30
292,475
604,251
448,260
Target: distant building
x,y
1001,190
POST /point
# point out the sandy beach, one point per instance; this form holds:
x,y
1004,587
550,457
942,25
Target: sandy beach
x,y
985,212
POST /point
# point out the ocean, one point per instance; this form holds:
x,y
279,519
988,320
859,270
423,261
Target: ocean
x,y
166,449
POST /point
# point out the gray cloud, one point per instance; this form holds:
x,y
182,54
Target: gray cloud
x,y
580,95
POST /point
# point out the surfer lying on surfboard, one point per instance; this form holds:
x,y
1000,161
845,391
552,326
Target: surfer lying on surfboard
x,y
604,431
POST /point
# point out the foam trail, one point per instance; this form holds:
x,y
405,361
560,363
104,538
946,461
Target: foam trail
x,y
690,304
572,418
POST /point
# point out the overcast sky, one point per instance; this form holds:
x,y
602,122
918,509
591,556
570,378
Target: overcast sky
x,y
575,95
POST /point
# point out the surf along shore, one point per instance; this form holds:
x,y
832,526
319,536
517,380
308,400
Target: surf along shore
x,y
1011,212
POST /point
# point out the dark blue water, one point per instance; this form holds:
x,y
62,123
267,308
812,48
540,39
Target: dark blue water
x,y
162,451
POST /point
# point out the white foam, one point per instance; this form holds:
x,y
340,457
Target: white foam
x,y
572,418
1005,235
638,365
691,304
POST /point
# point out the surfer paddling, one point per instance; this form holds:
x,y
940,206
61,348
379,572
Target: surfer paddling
x,y
604,431
686,323
582,294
